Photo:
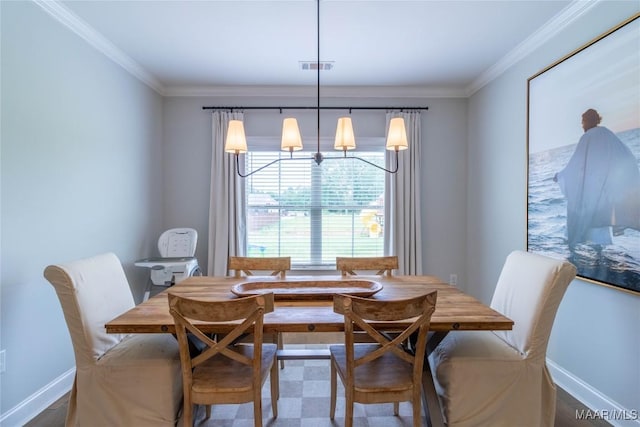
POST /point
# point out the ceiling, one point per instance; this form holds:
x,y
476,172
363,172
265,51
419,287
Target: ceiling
x,y
181,46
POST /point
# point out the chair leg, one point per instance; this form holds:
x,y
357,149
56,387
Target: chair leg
x,y
275,387
417,410
207,411
280,343
187,413
257,408
334,386
396,408
348,415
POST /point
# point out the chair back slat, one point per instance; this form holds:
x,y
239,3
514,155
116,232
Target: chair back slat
x,y
384,265
249,265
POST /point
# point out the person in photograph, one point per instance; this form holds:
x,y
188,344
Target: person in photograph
x,y
601,183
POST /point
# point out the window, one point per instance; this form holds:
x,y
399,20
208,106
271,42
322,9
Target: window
x,y
315,213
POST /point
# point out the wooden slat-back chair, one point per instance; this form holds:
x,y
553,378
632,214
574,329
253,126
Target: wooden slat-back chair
x,y
277,266
381,265
224,373
249,265
349,266
385,371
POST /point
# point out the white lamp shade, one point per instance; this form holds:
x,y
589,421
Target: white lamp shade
x,y
345,139
236,142
291,139
397,136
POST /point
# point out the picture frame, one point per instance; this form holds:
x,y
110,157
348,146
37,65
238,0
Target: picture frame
x,y
583,159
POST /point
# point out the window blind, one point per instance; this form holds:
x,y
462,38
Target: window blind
x,y
314,213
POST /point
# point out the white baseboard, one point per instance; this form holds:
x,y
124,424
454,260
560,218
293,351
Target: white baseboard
x,y
598,403
26,410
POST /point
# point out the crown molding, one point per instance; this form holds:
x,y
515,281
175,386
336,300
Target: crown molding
x,y
70,20
238,91
564,18
310,91
567,16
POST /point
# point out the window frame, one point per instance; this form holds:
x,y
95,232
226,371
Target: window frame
x,y
272,144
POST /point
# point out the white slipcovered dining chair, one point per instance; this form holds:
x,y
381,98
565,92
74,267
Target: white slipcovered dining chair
x,y
500,378
121,380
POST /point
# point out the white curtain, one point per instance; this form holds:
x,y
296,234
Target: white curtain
x,y
227,206
403,235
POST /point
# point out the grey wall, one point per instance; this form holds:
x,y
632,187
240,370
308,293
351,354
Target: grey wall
x,y
187,130
596,337
80,146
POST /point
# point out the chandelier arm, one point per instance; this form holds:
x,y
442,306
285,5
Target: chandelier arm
x,y
314,158
253,171
241,175
306,107
373,164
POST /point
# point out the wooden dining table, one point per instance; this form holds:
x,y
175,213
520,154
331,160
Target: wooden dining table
x,y
304,304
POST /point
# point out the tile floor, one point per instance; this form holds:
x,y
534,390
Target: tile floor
x,y
304,402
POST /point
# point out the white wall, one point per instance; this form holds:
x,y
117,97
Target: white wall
x,y
595,343
80,146
187,130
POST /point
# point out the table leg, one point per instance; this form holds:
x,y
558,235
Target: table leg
x,y
431,403
147,290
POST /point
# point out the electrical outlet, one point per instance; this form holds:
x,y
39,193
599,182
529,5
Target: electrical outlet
x,y
453,279
3,361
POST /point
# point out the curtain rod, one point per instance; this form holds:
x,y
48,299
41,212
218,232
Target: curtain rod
x,y
315,108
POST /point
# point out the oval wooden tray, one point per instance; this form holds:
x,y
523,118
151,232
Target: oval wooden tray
x,y
308,289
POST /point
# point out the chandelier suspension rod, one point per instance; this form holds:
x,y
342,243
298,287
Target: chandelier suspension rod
x,y
318,156
396,139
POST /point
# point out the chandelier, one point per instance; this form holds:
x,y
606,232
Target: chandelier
x,y
236,142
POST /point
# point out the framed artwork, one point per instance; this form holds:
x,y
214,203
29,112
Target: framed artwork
x,y
583,149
